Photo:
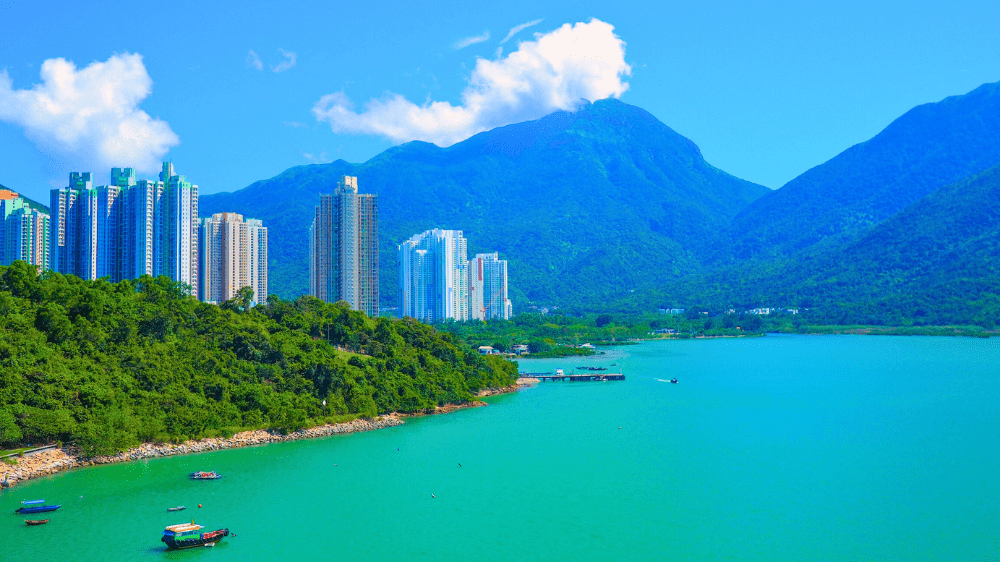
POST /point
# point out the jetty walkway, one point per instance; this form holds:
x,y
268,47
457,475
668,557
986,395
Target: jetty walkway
x,y
575,377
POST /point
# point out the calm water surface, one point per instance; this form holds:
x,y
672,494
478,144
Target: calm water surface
x,y
776,448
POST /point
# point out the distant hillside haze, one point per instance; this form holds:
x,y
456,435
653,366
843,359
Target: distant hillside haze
x,y
585,205
930,146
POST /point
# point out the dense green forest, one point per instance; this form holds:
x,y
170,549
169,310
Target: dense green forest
x,y
109,365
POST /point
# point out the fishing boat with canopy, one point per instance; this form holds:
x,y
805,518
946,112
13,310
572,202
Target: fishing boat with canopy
x,y
35,506
189,535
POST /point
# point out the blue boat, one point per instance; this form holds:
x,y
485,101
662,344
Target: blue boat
x,y
36,506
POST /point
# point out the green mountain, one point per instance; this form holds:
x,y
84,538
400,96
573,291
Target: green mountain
x,y
930,146
585,205
935,262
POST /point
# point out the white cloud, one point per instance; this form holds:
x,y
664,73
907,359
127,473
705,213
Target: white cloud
x,y
253,60
90,118
286,64
518,29
463,43
555,71
321,158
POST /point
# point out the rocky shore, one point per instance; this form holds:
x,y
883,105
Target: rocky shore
x,y
56,460
51,461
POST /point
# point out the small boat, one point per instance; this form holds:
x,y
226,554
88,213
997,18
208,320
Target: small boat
x,y
36,521
178,508
202,475
189,535
673,381
36,506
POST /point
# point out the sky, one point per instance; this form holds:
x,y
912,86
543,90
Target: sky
x,y
237,93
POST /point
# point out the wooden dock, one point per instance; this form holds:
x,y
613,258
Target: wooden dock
x,y
575,377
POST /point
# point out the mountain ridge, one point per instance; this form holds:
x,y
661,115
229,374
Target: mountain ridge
x,y
928,147
566,188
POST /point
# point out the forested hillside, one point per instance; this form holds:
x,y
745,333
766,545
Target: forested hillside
x,y
108,365
928,147
936,262
585,205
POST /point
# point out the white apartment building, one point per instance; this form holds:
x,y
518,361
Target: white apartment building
x,y
488,287
232,255
434,277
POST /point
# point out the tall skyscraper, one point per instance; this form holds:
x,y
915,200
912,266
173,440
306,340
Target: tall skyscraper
x,y
74,236
178,222
108,239
343,248
490,296
24,232
233,255
127,229
433,276
476,305
139,226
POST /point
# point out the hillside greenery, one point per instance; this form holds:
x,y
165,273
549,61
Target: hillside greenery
x,y
608,210
929,147
559,335
584,205
934,263
109,365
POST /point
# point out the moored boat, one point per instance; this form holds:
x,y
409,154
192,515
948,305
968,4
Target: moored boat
x,y
189,535
36,506
36,521
178,508
202,475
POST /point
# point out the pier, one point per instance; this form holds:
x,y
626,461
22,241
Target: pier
x,y
575,377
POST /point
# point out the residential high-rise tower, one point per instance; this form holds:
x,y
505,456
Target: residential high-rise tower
x,y
343,248
24,232
233,255
433,276
489,279
126,229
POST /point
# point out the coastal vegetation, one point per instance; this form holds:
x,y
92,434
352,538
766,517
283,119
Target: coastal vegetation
x,y
109,365
561,335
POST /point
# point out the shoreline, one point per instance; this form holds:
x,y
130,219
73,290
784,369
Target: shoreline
x,y
57,460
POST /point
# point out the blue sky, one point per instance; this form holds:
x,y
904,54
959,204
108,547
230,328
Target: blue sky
x,y
766,90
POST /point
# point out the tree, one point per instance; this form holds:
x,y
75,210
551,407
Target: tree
x,y
9,432
603,320
242,301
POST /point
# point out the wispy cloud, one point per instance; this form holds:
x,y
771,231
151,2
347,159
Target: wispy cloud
x,y
518,29
295,124
557,70
463,43
286,64
253,60
90,118
321,158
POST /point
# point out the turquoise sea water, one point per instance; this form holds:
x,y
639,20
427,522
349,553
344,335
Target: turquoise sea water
x,y
776,448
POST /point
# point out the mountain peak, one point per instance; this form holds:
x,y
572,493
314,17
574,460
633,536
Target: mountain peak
x,y
588,190
929,146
